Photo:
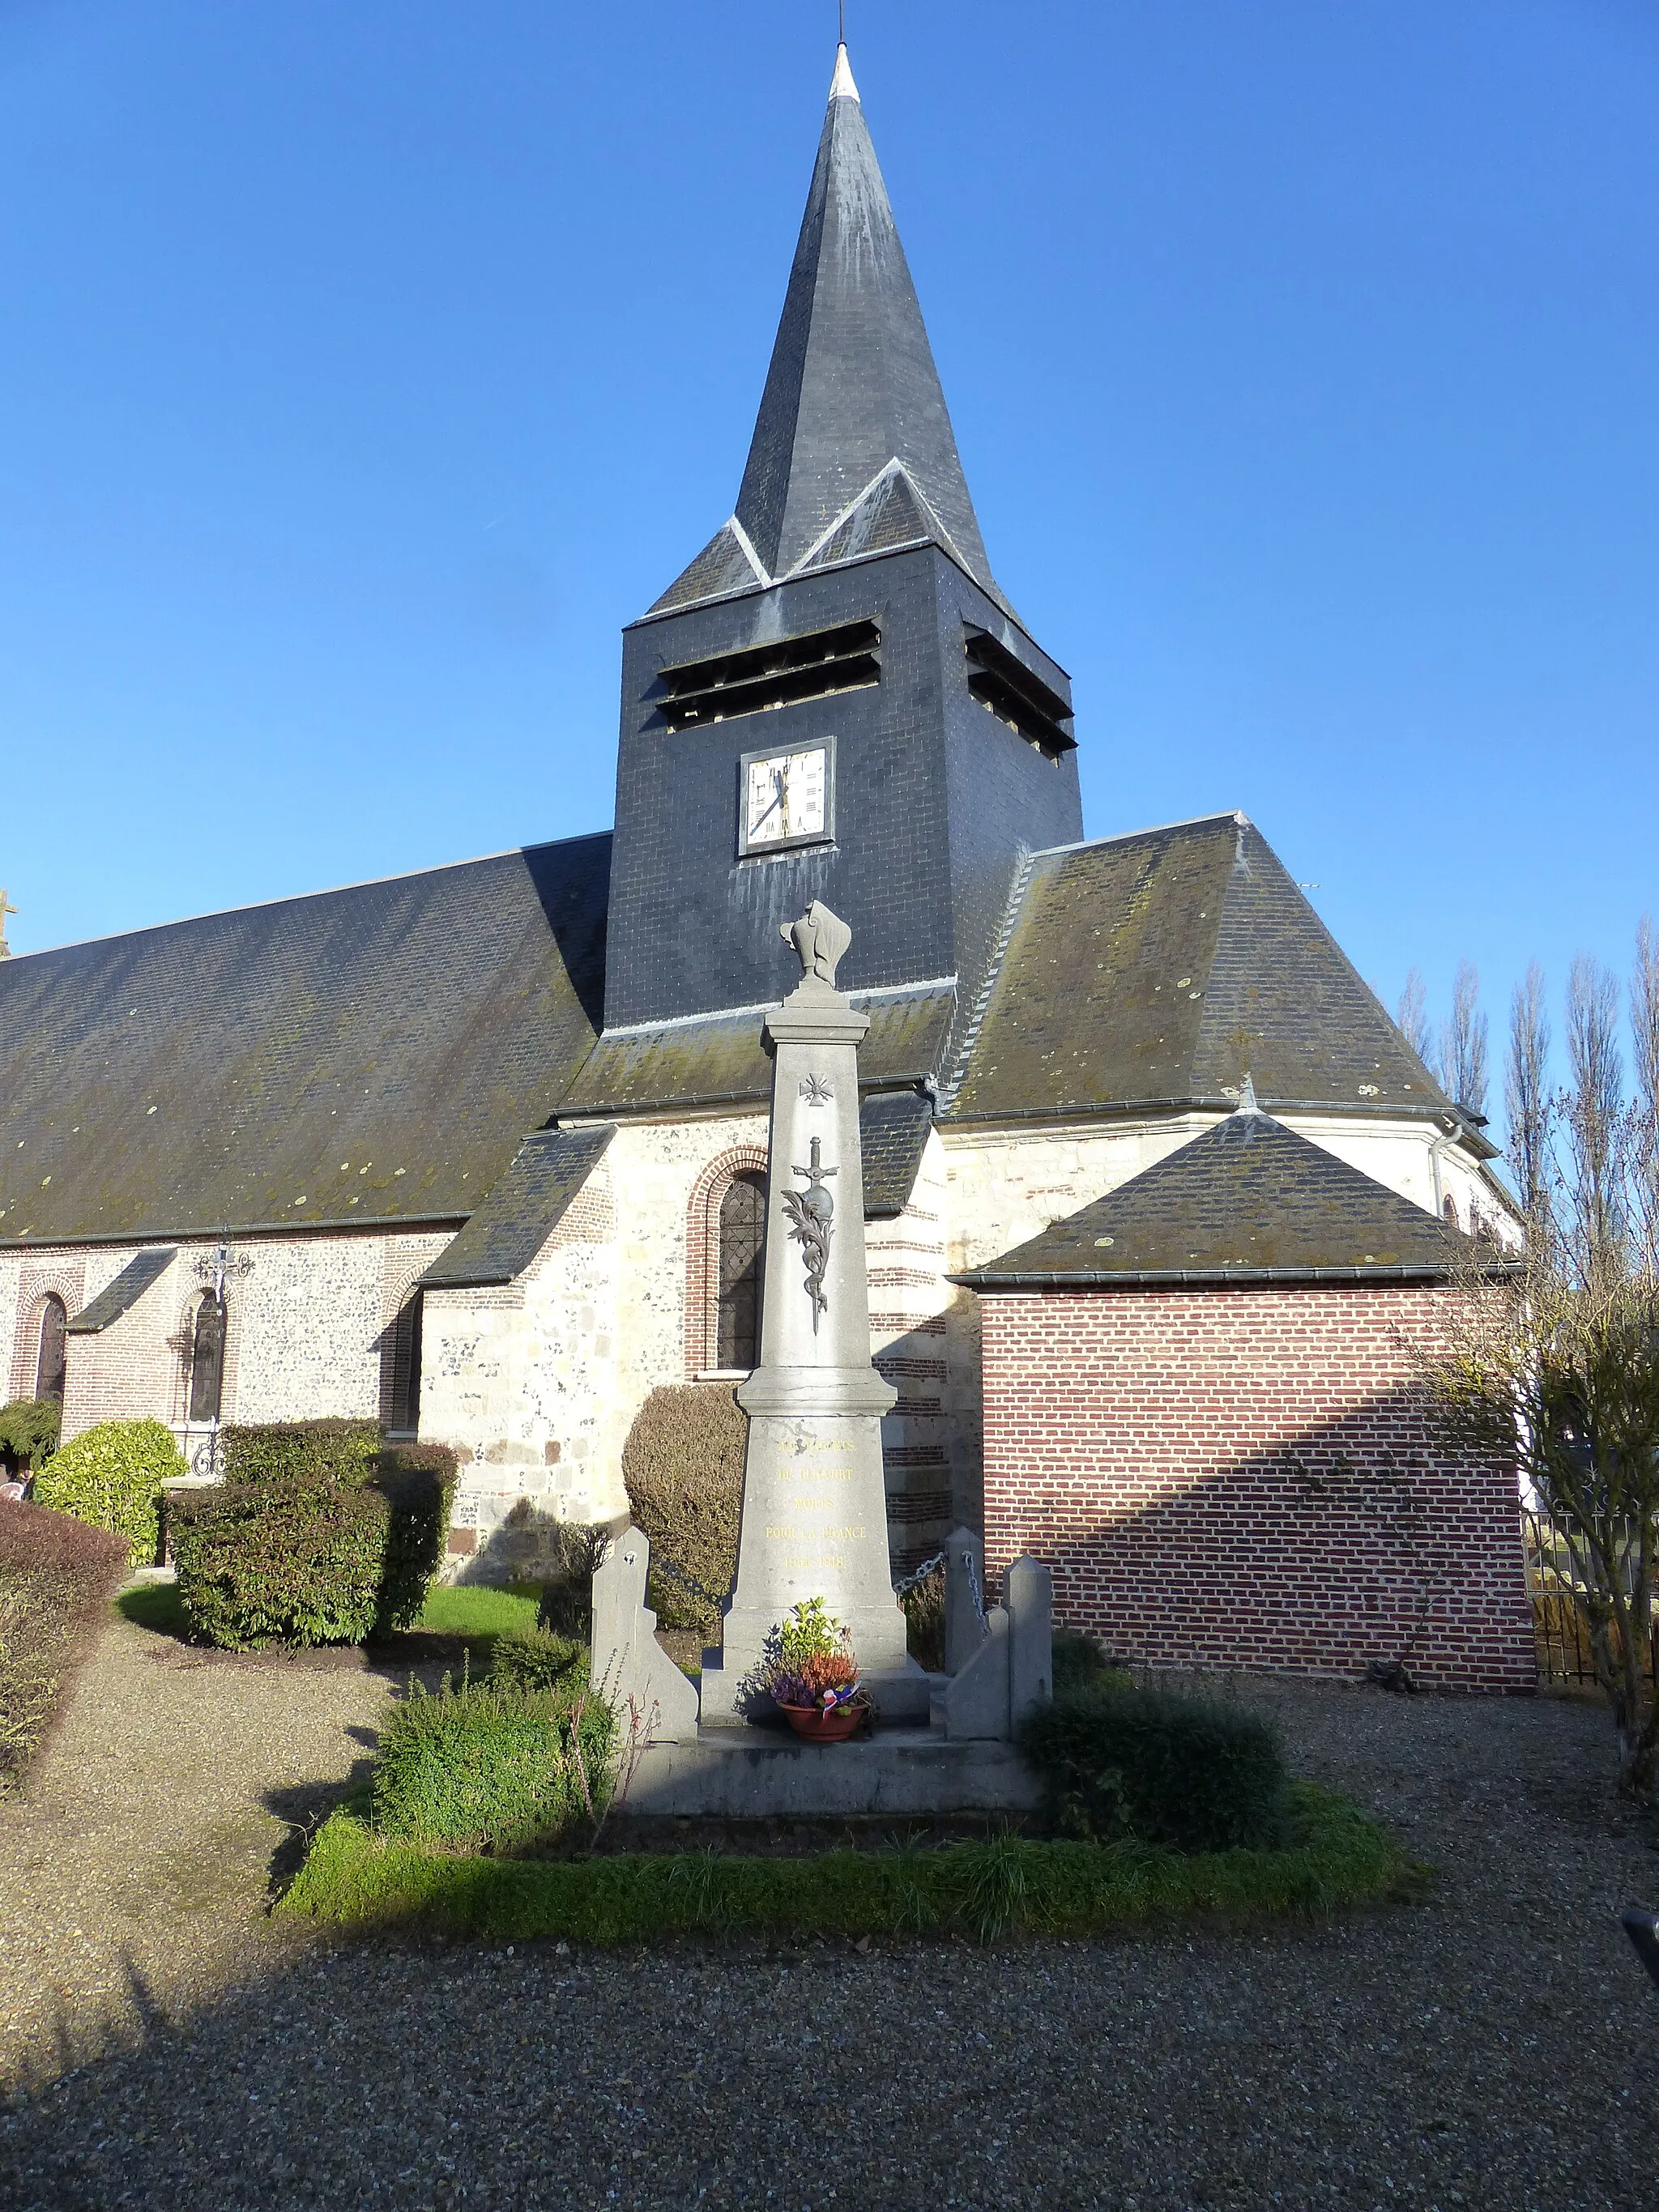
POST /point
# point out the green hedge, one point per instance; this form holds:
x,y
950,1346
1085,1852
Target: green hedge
x,y
297,1453
28,1430
1175,1771
535,1659
683,1467
298,1560
1334,1857
488,1765
56,1577
111,1477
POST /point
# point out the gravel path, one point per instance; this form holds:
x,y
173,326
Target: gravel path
x,y
1499,2048
135,1873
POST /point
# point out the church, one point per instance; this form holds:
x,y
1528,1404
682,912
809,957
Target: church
x,y
480,1150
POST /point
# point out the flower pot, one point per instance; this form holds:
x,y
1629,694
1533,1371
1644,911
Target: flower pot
x,y
820,1727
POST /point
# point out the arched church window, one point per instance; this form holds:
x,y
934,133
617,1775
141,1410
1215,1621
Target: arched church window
x,y
1450,1210
207,1357
742,1236
54,1351
402,1412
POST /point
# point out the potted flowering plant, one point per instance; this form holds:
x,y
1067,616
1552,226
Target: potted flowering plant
x,y
813,1676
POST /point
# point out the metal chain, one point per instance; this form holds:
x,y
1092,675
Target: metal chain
x,y
906,1583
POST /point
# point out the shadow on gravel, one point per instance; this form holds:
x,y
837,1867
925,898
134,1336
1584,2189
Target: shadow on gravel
x,y
303,1807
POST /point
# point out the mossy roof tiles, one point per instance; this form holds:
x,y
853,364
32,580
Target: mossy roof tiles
x,y
370,1054
721,1058
1164,967
1250,1201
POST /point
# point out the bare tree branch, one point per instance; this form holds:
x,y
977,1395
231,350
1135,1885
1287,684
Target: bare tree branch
x,y
1463,1042
1598,1125
1528,1103
1644,1133
1412,1016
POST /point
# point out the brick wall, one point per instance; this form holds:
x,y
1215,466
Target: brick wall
x,y
1245,1478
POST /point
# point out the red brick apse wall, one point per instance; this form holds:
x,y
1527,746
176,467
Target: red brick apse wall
x,y
1244,1478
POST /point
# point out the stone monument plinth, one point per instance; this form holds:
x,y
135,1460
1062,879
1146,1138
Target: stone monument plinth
x,y
814,1501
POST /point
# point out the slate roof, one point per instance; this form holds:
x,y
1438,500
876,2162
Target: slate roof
x,y
852,390
374,1053
522,1209
120,1296
722,1058
1161,969
893,1127
1249,1201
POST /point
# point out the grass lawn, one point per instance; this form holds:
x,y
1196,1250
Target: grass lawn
x,y
478,1613
1338,1857
478,1609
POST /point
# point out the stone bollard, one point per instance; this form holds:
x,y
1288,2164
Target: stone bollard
x,y
1029,1589
964,1598
628,1664
977,1699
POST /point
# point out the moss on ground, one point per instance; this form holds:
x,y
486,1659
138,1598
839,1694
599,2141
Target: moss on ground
x,y
1337,1857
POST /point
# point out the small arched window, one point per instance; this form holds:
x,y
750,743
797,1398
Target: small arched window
x,y
742,1237
1450,1210
54,1351
207,1357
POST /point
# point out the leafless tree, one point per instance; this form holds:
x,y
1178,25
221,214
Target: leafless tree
x,y
1412,1018
1527,1101
1596,1127
1562,1376
1644,1113
1463,1043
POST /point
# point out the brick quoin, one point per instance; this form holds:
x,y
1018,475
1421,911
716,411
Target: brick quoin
x,y
1246,1477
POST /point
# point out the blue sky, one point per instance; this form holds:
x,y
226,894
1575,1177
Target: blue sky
x,y
365,368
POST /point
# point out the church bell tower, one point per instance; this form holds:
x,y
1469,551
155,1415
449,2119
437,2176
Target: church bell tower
x,y
834,700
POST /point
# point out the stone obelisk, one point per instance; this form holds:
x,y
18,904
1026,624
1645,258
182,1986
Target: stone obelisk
x,y
814,1502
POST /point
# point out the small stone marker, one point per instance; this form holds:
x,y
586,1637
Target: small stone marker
x,y
630,1669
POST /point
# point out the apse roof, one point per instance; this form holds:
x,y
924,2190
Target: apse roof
x,y
369,1055
853,451
1159,970
1249,1201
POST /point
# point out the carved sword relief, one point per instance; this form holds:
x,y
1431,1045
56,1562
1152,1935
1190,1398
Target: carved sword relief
x,y
811,1212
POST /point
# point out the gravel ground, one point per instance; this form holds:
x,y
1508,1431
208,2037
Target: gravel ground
x,y
1498,2048
135,1873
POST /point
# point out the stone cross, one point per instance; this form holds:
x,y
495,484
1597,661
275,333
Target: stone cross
x,y
6,908
814,1499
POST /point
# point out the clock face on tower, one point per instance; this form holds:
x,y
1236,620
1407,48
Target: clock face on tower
x,y
786,798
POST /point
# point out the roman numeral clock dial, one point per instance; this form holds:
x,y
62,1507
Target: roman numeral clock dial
x,y
785,799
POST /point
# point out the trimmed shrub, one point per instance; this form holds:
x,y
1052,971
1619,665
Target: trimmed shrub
x,y
1079,1663
419,1483
485,1766
1178,1771
682,1465
56,1577
28,1430
534,1659
572,1551
298,1452
305,1561
111,1477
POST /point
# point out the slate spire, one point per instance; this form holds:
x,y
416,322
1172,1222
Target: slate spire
x,y
853,451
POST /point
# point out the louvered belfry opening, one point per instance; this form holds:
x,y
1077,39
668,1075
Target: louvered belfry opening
x,y
742,1236
207,1357
53,1363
